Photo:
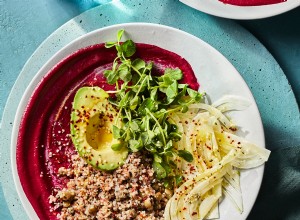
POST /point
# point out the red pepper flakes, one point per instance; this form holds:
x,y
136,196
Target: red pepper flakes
x,y
192,169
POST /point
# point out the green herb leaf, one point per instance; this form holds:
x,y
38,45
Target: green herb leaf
x,y
116,132
110,44
150,148
172,89
124,73
159,170
134,126
128,48
116,147
106,73
111,76
135,102
184,108
186,155
173,128
119,35
147,104
146,139
157,158
167,167
135,145
138,64
169,145
172,74
148,68
175,136
153,94
168,183
178,180
192,93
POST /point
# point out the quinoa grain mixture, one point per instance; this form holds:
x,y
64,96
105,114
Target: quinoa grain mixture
x,y
129,192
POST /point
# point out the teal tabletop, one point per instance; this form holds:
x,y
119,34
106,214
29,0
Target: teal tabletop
x,y
266,52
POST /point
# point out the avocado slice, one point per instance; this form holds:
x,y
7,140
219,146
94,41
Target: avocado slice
x,y
92,119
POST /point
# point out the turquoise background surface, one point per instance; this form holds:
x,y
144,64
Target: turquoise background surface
x,y
273,82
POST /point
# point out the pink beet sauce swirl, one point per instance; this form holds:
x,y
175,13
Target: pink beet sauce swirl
x,y
44,144
252,2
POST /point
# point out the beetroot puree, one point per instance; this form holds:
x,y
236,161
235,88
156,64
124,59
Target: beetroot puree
x,y
251,2
44,144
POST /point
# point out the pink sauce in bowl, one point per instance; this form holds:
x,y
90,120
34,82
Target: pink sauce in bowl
x,y
44,144
252,2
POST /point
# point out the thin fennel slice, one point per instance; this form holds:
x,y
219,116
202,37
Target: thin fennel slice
x,y
218,153
232,189
231,103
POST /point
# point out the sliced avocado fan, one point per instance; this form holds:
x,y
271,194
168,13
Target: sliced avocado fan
x,y
92,119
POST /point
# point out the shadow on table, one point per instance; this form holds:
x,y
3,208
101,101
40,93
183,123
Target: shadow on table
x,y
279,197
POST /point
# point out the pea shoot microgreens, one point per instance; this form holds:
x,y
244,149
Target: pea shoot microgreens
x,y
144,102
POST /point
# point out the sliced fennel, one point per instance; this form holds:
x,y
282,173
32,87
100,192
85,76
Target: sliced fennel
x,y
231,103
218,154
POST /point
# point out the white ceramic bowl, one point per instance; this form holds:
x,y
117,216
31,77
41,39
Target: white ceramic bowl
x,y
217,8
215,74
